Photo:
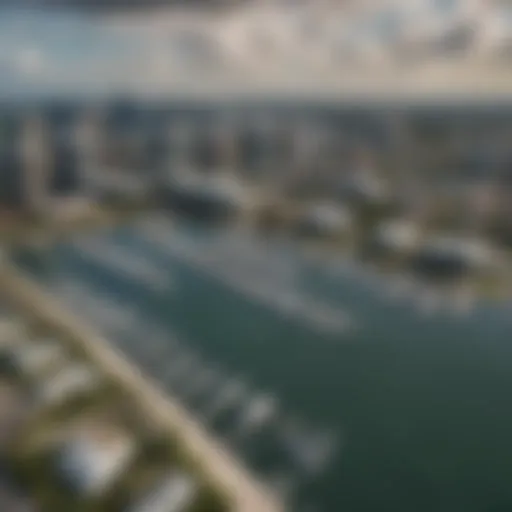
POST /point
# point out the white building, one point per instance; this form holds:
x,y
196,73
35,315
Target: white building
x,y
227,189
216,191
364,186
70,209
175,494
70,382
35,158
14,414
396,236
89,461
11,331
117,184
456,254
35,358
327,219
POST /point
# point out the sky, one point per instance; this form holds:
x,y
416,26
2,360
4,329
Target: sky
x,y
162,51
66,51
39,51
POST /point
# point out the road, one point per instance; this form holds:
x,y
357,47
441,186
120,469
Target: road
x,y
219,466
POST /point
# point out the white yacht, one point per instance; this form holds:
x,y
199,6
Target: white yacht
x,y
122,261
231,394
206,381
259,411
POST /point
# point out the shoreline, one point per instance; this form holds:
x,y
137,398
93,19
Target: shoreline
x,y
229,475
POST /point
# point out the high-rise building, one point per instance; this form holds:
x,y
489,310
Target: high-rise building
x,y
181,135
88,146
11,189
66,178
35,162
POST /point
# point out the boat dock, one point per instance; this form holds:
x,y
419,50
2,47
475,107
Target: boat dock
x,y
217,463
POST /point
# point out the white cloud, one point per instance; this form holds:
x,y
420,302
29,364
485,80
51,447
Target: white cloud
x,y
29,61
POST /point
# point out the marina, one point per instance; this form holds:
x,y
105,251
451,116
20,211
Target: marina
x,y
275,281
126,263
256,276
323,421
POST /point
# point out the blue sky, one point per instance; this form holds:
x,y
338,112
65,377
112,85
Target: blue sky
x,y
55,52
41,51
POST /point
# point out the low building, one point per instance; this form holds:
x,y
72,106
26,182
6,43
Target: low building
x,y
33,359
90,460
364,187
117,186
13,497
14,414
70,382
325,219
69,209
175,494
443,256
11,331
213,197
396,237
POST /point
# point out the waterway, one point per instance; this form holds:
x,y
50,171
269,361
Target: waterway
x,y
347,390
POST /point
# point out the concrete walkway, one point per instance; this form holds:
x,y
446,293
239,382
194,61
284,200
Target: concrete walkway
x,y
223,470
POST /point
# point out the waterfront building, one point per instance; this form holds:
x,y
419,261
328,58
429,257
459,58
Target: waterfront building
x,y
14,412
109,157
325,219
36,163
11,331
33,359
89,461
68,209
88,142
26,162
395,237
362,185
215,197
71,381
445,256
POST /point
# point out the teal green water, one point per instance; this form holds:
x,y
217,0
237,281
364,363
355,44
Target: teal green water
x,y
422,405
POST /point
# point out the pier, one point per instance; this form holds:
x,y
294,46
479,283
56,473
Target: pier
x,y
217,464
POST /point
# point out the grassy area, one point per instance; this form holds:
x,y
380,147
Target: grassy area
x,y
158,454
159,450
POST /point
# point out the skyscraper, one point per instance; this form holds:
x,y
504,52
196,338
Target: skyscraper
x,y
35,162
88,143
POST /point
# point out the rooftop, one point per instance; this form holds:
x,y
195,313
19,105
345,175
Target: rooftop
x,y
172,495
92,458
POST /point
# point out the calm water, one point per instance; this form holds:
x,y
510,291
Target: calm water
x,y
414,408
